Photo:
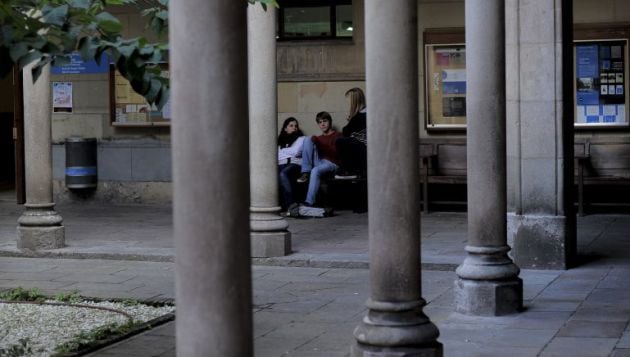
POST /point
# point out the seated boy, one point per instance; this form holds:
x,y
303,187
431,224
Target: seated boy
x,y
319,156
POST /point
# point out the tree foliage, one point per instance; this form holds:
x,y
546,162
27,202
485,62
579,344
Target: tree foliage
x,y
48,31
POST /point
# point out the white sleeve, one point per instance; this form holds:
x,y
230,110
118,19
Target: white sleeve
x,y
295,150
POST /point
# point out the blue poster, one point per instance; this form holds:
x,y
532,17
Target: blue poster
x,y
587,61
78,66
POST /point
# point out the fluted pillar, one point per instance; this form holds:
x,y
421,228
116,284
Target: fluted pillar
x,y
395,324
39,226
208,59
488,282
269,231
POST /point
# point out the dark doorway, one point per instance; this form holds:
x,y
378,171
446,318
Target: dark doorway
x,y
11,139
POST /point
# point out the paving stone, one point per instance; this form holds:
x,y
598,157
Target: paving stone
x,y
621,352
596,329
533,320
551,304
579,347
464,349
602,313
624,341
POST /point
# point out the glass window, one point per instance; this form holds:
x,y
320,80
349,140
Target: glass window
x,y
601,70
344,20
307,22
315,19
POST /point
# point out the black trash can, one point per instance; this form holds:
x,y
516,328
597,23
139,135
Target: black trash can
x,y
81,168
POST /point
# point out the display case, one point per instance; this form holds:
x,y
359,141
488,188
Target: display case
x,y
601,85
130,109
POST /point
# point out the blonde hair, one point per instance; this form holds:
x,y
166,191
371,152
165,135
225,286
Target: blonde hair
x,y
357,101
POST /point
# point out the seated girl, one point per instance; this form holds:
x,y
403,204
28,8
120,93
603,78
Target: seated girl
x,y
290,143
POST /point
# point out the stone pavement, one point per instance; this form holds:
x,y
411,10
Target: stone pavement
x,y
312,310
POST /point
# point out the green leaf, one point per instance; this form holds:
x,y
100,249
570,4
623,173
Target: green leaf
x,y
108,22
55,15
79,4
28,58
18,50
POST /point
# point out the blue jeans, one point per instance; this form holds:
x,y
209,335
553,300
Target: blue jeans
x,y
316,166
287,174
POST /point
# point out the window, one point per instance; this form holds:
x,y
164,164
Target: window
x,y
601,71
317,19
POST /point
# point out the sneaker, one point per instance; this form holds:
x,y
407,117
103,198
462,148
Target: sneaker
x,y
345,175
294,210
304,178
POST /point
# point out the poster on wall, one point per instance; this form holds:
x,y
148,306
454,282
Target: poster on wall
x,y
62,97
600,72
130,108
446,86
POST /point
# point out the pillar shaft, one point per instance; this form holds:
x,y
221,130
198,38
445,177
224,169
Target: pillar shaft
x,y
211,178
395,323
40,226
270,236
541,222
488,282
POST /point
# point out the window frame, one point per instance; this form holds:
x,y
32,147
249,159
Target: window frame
x,y
626,51
331,4
432,38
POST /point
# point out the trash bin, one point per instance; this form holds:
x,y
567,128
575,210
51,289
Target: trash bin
x,y
81,168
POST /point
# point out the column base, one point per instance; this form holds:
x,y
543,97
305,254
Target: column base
x,y
269,233
273,244
542,242
488,298
39,227
396,329
361,350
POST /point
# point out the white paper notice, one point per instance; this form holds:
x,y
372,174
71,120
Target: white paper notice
x,y
62,97
592,110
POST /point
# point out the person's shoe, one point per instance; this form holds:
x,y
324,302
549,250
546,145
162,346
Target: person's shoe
x,y
294,210
345,175
304,178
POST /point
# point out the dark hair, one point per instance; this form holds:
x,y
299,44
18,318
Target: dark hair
x,y
323,116
286,140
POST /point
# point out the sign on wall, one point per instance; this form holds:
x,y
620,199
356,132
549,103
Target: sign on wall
x,y
62,97
600,83
78,66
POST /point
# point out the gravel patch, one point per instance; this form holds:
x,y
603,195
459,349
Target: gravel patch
x,y
47,326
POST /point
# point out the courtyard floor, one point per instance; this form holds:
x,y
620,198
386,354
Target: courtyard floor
x,y
308,303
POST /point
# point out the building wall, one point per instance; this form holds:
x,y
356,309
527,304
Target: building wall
x,y
312,76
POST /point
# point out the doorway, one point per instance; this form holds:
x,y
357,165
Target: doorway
x,y
11,139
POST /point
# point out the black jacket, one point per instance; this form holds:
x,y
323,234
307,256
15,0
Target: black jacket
x,y
355,124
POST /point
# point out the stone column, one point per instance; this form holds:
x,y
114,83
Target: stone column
x,y
488,282
40,226
395,324
211,178
541,219
269,233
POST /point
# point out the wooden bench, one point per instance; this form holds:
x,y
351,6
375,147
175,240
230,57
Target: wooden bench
x,y
441,162
601,163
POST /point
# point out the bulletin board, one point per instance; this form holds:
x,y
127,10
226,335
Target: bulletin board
x,y
445,86
129,109
601,83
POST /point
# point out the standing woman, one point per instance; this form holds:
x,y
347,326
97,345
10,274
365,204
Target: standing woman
x,y
352,147
290,143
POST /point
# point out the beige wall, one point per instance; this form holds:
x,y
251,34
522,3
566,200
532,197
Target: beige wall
x,y
90,116
303,100
313,76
